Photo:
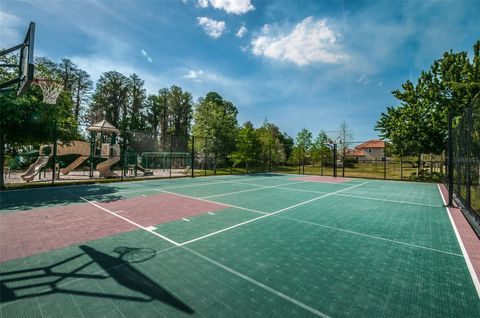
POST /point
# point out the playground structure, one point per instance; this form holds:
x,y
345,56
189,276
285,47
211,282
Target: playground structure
x,y
102,145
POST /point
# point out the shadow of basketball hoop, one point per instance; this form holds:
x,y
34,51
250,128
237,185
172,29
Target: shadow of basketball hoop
x,y
134,254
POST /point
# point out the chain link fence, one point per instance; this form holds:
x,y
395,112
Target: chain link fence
x,y
464,177
82,155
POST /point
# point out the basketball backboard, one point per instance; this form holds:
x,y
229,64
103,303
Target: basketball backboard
x,y
21,76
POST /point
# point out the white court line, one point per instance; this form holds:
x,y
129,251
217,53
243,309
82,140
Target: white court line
x,y
185,219
211,213
209,201
129,221
269,214
249,190
366,198
253,281
369,236
476,282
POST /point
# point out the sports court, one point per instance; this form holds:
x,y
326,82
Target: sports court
x,y
234,246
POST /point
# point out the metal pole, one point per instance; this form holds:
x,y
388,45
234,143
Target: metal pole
x,y
468,136
385,162
450,159
334,160
170,156
54,155
193,156
343,158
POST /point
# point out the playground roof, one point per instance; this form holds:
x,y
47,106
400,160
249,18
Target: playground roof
x,y
103,126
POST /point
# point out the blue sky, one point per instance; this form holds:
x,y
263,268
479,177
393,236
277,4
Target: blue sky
x,y
299,64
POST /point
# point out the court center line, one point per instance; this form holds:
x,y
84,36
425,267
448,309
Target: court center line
x,y
257,283
370,236
249,190
473,275
269,214
367,198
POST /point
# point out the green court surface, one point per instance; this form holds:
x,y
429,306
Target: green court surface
x,y
266,245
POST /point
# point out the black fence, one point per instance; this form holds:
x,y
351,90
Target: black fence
x,y
90,156
464,177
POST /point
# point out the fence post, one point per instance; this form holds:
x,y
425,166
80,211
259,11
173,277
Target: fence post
x,y
193,156
467,157
385,161
334,160
54,150
122,154
170,156
343,158
450,159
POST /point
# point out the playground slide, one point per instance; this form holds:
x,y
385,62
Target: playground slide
x,y
104,167
146,172
73,165
34,169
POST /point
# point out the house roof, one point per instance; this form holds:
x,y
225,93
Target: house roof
x,y
355,153
371,144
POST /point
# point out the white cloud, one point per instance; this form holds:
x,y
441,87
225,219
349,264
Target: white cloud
x,y
213,28
145,54
241,31
309,42
363,80
9,29
380,83
194,75
202,3
229,6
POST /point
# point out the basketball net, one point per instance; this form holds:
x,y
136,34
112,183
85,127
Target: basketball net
x,y
50,89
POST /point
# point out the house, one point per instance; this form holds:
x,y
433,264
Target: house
x,y
368,151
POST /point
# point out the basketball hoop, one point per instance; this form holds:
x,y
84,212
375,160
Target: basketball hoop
x,y
50,88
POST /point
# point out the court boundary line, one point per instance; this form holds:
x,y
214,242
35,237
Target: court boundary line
x,y
268,214
257,283
370,236
473,274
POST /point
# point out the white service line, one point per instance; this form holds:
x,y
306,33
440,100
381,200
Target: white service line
x,y
209,201
475,280
367,198
253,281
370,236
269,214
249,190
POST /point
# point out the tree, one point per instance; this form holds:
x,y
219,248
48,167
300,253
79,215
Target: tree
x,y
320,151
271,140
303,144
248,146
215,127
180,112
111,99
82,87
138,96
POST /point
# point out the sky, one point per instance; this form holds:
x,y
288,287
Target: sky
x,y
298,64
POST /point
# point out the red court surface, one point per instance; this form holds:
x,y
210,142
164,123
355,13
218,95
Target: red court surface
x,y
469,238
322,179
161,208
35,231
